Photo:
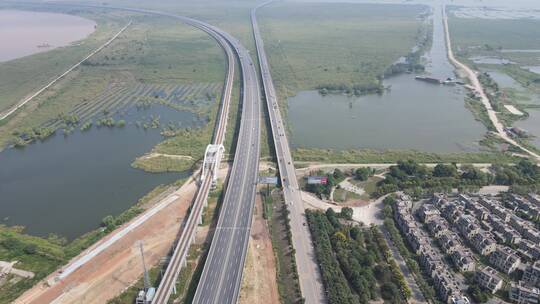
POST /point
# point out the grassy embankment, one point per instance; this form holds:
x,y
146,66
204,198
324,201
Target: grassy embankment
x,y
487,37
277,216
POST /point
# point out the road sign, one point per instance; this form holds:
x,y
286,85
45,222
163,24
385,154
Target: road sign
x,y
270,180
323,180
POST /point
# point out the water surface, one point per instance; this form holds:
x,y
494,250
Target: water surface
x,y
534,69
67,185
413,115
532,125
504,80
23,33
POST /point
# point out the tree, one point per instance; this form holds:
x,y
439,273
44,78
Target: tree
x,y
477,294
338,175
30,248
390,292
362,174
442,170
346,213
108,222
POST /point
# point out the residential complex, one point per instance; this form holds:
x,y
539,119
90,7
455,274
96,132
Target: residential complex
x,y
492,237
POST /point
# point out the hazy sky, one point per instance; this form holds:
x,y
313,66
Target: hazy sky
x,y
516,4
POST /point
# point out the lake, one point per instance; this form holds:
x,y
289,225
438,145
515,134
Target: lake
x,y
413,115
24,33
66,185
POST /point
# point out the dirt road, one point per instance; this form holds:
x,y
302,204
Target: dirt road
x,y
480,91
260,280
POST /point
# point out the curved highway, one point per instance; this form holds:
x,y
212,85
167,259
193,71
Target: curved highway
x,y
309,276
222,273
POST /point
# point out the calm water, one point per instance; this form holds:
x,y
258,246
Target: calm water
x,y
67,185
532,125
504,81
413,115
534,69
489,60
21,32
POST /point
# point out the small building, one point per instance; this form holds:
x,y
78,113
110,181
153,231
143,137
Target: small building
x,y
488,279
522,293
505,259
531,275
463,259
427,213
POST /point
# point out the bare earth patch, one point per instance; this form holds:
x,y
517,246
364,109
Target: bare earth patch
x,y
259,282
119,266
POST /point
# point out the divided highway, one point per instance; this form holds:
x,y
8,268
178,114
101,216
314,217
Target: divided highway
x,y
181,249
308,270
222,274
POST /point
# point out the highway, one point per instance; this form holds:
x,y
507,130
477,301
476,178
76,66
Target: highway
x,y
308,270
222,274
178,259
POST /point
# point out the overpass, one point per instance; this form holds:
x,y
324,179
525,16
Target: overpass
x,y
309,276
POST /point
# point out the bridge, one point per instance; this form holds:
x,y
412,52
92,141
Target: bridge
x,y
211,161
309,276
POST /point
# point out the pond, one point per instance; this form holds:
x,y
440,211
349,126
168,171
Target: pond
x,y
531,125
503,80
489,60
412,115
534,69
66,185
23,33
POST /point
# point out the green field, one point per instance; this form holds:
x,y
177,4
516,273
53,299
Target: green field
x,y
311,45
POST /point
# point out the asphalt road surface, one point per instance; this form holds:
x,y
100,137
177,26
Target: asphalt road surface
x,y
308,270
222,274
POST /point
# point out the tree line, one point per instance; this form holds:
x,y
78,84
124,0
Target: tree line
x,y
355,261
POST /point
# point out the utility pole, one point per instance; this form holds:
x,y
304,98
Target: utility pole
x,y
146,278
